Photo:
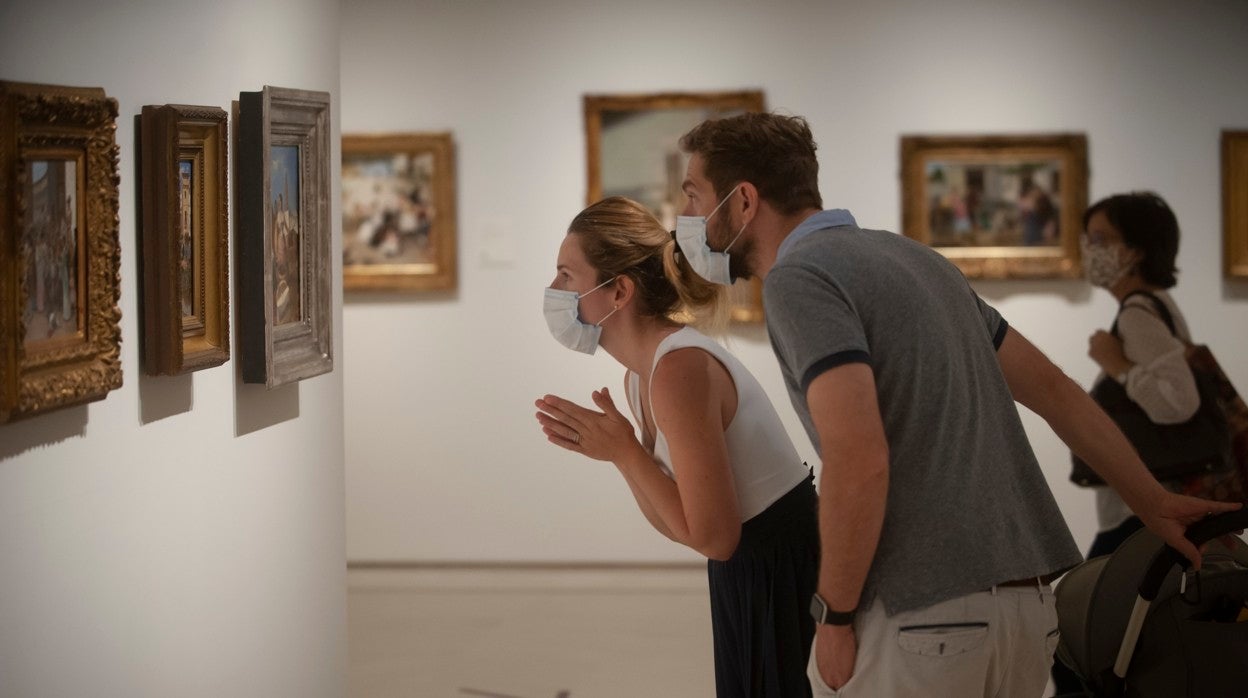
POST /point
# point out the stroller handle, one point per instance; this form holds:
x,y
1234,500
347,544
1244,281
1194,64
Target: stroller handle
x,y
1198,533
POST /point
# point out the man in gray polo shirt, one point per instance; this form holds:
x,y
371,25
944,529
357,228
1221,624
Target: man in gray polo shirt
x,y
939,532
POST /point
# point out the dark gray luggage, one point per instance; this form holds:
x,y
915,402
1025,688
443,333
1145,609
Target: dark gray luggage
x,y
1184,634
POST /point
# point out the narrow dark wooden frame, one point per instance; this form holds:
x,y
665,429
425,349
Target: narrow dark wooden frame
x,y
174,343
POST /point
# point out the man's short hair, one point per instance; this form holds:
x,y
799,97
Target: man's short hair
x,y
774,153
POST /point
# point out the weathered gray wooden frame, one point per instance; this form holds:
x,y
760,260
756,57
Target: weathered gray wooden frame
x,y
269,353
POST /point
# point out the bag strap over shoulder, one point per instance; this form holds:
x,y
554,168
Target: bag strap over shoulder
x,y
1162,311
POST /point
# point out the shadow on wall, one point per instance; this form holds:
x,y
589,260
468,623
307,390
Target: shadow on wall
x,y
1075,291
164,396
21,436
257,407
1235,289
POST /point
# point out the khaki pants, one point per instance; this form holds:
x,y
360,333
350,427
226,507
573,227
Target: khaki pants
x,y
995,644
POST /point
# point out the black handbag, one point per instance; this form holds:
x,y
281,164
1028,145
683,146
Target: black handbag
x,y
1202,444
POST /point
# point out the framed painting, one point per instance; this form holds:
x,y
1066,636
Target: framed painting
x,y
398,212
185,238
59,320
285,309
998,206
1235,203
632,150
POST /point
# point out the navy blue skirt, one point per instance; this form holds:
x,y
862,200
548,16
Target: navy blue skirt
x,y
760,600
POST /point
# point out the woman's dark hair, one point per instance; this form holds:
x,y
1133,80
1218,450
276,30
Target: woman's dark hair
x,y
1146,224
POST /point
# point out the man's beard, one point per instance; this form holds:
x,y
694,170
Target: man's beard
x,y
739,253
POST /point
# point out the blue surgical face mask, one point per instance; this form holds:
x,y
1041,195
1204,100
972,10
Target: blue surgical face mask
x,y
563,317
691,236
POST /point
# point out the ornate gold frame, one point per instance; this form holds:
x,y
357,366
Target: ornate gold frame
x,y
176,342
747,295
51,123
982,262
1235,203
272,350
441,273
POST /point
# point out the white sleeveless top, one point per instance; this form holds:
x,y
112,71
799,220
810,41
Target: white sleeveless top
x,y
765,465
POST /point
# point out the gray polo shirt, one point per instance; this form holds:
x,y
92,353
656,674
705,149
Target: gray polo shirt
x,y
968,505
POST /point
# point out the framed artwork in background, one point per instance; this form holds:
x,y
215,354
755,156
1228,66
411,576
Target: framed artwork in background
x,y
1235,203
60,331
285,310
998,206
398,212
632,150
185,238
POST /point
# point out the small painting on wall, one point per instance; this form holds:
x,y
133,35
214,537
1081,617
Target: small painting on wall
x,y
398,212
997,206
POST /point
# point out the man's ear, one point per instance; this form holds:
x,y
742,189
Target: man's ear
x,y
749,202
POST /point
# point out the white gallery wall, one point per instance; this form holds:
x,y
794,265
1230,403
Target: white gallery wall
x,y
445,462
185,536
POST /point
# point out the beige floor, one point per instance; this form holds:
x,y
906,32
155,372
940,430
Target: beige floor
x,y
529,633
516,633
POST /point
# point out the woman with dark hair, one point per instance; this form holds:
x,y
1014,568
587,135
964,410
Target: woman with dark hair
x,y
1129,246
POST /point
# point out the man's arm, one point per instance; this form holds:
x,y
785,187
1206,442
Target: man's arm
x,y
1078,421
853,491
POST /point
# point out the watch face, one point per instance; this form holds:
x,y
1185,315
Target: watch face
x,y
822,614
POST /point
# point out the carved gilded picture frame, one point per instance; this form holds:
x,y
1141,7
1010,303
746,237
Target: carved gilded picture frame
x,y
398,212
998,206
285,310
1235,203
185,238
59,253
631,150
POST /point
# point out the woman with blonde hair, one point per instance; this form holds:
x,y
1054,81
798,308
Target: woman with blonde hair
x,y
710,465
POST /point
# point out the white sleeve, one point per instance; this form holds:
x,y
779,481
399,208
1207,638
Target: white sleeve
x,y
1161,382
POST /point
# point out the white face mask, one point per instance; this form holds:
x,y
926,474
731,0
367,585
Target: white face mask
x,y
1102,264
691,236
563,317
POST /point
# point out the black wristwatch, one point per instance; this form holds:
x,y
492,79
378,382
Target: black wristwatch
x,y
822,614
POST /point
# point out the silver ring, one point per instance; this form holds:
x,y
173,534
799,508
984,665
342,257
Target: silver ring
x,y
576,438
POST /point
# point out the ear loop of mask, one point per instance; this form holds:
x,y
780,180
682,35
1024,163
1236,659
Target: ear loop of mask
x,y
604,317
582,295
716,209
